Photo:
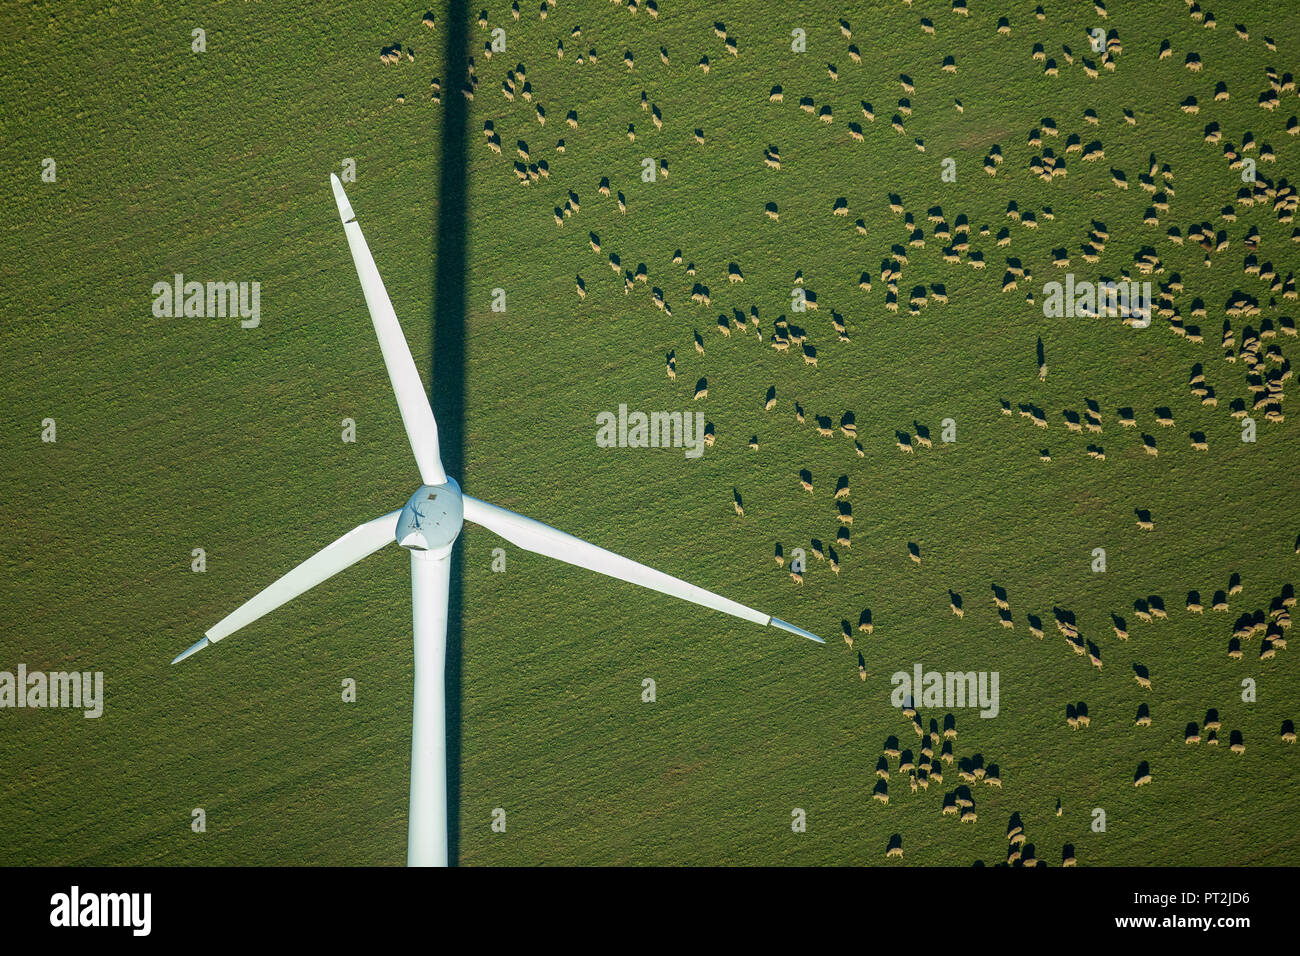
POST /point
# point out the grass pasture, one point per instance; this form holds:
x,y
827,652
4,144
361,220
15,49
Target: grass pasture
x,y
183,433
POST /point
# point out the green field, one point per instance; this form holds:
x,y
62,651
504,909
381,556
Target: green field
x,y
183,433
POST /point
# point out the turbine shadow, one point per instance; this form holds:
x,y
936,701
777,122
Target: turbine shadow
x,y
447,379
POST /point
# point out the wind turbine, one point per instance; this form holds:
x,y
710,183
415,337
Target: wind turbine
x,y
428,526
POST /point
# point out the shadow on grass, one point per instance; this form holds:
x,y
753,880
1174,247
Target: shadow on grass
x,y
447,388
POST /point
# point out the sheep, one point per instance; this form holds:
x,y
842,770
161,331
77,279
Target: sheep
x,y
701,389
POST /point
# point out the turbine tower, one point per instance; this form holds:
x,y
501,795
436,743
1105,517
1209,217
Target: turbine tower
x,y
428,526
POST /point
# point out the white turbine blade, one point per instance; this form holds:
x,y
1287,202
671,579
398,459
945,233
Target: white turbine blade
x,y
543,539
412,401
345,552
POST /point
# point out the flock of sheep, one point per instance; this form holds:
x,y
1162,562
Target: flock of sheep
x,y
1250,347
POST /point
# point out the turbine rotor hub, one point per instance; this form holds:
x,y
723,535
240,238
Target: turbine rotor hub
x,y
432,519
